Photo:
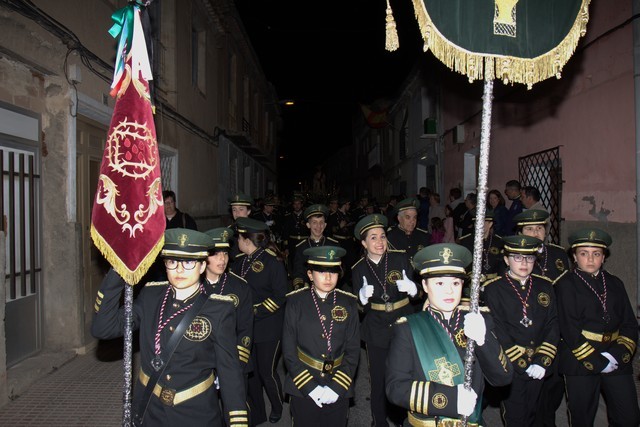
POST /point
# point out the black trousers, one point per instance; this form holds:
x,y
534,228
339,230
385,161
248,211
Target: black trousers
x,y
519,406
583,394
265,377
380,406
305,413
550,398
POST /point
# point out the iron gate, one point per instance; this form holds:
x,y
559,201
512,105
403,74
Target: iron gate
x,y
543,170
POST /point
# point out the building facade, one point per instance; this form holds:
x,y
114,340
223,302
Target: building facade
x,y
217,121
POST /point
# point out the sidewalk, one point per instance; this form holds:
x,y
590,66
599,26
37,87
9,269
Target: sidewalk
x,y
87,391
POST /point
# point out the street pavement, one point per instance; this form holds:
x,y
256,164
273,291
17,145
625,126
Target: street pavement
x,y
87,391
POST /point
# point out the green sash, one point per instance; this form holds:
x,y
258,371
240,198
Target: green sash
x,y
439,357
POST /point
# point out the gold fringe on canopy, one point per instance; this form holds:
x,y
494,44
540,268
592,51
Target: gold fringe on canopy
x,y
391,41
131,277
509,69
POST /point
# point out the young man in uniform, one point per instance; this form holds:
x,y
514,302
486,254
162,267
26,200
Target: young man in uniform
x,y
294,230
316,218
240,207
187,339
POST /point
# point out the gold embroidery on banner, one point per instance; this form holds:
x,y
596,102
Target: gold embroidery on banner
x,y
504,20
339,313
445,372
131,152
199,329
257,266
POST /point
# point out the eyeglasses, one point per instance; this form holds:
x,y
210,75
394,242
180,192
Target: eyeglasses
x,y
187,264
526,258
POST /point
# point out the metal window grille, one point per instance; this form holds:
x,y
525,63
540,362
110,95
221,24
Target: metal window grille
x,y
543,170
166,170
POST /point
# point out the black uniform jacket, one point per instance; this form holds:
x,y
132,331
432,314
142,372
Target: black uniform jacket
x,y
208,345
303,334
410,244
294,229
338,232
300,277
492,257
585,334
536,344
237,288
376,324
552,261
408,387
267,278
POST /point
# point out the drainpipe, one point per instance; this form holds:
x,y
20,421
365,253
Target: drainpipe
x,y
636,93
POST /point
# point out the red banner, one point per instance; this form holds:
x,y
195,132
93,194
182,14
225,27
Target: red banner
x,y
127,222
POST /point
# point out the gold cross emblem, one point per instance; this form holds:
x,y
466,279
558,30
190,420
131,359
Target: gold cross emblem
x,y
446,253
182,240
445,372
375,219
331,254
523,242
225,236
535,215
592,235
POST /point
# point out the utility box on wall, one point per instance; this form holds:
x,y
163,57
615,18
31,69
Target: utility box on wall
x,y
458,134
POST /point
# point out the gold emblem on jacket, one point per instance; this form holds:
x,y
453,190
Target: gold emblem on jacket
x,y
393,276
199,329
339,313
257,266
543,299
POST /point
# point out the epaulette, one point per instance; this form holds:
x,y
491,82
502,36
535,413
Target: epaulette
x,y
304,288
238,277
490,281
270,252
241,254
331,239
401,320
465,236
542,277
301,242
482,309
349,294
560,276
287,214
224,298
357,262
163,283
390,228
401,251
557,246
424,231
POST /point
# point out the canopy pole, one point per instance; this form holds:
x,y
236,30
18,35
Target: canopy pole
x,y
479,221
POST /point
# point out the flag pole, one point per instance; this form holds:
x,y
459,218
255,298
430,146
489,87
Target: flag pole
x,y
483,171
127,356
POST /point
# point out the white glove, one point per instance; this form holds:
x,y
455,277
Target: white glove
x,y
328,396
536,372
316,395
406,285
466,400
366,291
612,365
475,328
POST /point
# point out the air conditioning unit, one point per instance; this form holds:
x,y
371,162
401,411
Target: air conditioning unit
x,y
458,134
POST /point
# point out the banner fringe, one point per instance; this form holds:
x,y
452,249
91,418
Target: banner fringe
x,y
509,69
131,277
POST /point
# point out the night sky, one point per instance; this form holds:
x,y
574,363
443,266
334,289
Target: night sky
x,y
328,57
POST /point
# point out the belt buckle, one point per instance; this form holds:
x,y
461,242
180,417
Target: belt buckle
x,y
327,366
606,337
167,395
388,307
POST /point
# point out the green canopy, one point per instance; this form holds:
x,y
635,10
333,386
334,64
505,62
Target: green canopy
x,y
521,41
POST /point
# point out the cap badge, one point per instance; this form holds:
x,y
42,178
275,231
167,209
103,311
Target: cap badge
x,y
375,219
523,243
446,254
182,240
331,254
225,236
535,215
592,235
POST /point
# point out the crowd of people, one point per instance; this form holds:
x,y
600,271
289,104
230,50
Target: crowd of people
x,y
317,282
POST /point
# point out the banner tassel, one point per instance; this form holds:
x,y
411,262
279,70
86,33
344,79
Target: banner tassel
x,y
391,43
